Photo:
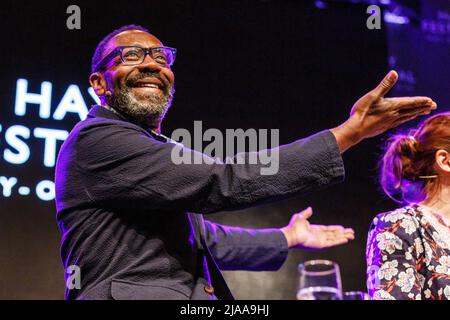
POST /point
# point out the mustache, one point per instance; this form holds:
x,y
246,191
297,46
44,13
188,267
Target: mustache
x,y
142,75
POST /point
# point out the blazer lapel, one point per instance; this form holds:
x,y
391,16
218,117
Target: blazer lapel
x,y
220,286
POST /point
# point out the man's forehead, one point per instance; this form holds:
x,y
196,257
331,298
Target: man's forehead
x,y
131,38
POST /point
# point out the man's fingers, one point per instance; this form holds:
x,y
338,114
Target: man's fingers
x,y
339,230
386,84
349,231
350,236
406,103
307,213
345,237
334,227
408,112
339,234
414,112
411,100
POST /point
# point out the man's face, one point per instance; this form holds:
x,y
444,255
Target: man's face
x,y
132,88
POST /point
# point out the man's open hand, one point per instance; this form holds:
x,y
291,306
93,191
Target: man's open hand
x,y
374,114
300,234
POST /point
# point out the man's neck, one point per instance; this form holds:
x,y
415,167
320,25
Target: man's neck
x,y
105,105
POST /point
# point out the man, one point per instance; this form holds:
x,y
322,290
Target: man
x,y
127,211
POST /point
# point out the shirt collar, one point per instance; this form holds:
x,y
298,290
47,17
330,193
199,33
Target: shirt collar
x,y
110,113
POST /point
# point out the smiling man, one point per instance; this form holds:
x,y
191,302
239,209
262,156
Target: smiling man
x,y
128,213
143,91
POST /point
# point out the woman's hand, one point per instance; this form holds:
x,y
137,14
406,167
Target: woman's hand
x,y
300,234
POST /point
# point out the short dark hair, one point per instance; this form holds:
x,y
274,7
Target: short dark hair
x,y
98,53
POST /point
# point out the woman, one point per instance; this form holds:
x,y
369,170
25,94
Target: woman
x,y
408,250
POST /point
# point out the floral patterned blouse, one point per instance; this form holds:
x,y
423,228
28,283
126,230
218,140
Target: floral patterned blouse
x,y
408,255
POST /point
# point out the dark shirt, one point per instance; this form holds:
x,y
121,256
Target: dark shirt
x,y
125,209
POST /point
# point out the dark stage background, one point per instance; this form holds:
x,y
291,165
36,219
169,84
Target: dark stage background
x,y
241,64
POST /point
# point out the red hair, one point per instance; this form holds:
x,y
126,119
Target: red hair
x,y
407,172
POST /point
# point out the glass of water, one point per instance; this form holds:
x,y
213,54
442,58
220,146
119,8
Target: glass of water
x,y
319,280
356,295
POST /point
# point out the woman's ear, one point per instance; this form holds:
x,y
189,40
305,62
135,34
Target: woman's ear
x,y
443,161
98,83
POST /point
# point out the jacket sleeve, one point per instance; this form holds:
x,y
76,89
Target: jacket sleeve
x,y
123,166
235,248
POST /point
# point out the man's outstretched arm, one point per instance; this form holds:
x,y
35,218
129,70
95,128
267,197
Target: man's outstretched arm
x,y
119,161
120,165
235,248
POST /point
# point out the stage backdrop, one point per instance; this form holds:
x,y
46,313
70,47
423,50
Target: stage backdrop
x,y
296,66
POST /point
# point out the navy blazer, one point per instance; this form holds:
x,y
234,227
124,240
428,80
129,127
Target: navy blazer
x,y
128,218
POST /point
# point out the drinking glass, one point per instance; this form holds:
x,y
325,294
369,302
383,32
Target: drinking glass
x,y
355,295
319,280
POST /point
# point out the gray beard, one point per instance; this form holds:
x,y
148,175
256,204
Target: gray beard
x,y
149,112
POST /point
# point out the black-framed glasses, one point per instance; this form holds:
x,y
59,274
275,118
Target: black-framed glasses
x,y
134,55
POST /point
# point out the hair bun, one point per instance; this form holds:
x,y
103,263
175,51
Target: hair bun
x,y
407,149
398,165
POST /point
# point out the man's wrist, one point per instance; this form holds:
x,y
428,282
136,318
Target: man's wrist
x,y
288,235
347,135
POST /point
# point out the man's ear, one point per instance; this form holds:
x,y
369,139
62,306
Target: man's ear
x,y
443,161
98,83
